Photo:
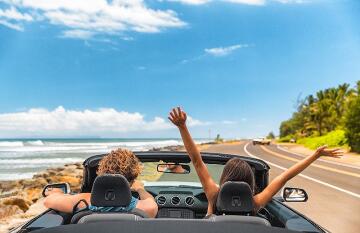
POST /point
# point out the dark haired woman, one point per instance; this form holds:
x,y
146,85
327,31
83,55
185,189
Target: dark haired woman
x,y
238,170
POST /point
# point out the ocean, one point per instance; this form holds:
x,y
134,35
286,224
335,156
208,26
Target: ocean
x,y
22,158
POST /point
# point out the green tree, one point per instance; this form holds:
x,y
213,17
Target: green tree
x,y
352,121
332,109
321,113
271,135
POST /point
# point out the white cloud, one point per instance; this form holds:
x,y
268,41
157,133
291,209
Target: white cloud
x,y
291,1
191,2
227,122
194,122
83,19
11,25
77,34
63,122
95,16
14,14
248,2
12,18
223,51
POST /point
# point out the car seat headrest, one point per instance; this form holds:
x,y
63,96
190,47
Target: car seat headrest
x,y
110,190
235,198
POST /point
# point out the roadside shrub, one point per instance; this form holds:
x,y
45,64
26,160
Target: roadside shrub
x,y
352,125
286,138
271,135
335,138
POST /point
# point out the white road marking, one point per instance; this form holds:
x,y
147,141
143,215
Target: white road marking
x,y
322,160
304,176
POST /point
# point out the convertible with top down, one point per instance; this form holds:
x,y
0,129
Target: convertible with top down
x,y
182,204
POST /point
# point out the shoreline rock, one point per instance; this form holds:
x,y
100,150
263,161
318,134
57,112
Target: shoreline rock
x,y
18,197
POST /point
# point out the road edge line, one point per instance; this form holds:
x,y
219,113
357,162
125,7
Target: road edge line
x,y
322,160
304,176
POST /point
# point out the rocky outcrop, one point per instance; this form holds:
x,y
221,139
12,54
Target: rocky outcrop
x,y
21,199
168,148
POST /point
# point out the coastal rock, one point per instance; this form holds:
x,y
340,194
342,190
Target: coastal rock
x,y
33,194
6,186
167,148
20,196
14,216
22,203
9,210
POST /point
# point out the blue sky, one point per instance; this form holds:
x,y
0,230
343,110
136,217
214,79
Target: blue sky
x,y
115,69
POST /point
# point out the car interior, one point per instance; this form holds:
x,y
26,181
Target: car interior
x,y
179,201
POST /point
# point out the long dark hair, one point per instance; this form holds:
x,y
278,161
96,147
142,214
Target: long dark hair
x,y
236,169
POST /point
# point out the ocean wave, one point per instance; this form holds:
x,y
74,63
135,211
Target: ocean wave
x,y
20,159
16,176
11,167
47,149
34,143
114,144
86,147
40,161
11,144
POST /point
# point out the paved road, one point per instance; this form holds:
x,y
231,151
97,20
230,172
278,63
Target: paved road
x,y
333,189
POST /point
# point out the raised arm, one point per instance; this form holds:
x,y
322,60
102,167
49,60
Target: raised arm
x,y
178,118
266,195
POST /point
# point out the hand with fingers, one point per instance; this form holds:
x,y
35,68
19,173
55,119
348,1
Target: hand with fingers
x,y
178,117
49,191
137,185
323,151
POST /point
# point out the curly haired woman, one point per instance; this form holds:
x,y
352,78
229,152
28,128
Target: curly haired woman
x,y
119,161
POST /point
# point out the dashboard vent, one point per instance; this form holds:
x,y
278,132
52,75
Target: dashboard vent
x,y
189,201
175,200
161,200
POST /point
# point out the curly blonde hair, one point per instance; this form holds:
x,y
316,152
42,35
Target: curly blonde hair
x,y
120,161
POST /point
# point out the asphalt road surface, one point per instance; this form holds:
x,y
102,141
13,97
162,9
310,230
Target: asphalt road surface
x,y
333,188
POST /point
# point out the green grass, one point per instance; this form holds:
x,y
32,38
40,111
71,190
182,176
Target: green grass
x,y
335,138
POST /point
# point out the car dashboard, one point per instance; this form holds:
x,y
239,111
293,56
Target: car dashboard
x,y
185,202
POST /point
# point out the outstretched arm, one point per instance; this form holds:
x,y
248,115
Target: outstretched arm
x,y
178,118
65,202
266,195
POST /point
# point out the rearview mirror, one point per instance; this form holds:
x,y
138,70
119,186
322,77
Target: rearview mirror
x,y
173,168
61,187
294,195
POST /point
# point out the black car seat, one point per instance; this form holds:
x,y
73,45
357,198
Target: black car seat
x,y
235,204
109,190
